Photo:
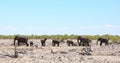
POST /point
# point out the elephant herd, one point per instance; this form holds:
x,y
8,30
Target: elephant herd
x,y
81,41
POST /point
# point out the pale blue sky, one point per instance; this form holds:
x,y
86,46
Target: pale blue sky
x,y
47,17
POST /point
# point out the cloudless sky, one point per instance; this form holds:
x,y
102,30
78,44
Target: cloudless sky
x,y
47,17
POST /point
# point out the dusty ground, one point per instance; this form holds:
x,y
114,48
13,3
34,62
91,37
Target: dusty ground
x,y
62,54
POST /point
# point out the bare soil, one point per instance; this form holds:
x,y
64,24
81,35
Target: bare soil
x,y
62,54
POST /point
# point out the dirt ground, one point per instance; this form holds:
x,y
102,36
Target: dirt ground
x,y
62,54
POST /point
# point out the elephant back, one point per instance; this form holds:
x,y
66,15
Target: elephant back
x,y
21,38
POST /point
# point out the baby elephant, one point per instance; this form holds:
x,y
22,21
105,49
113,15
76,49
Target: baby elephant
x,y
43,41
31,43
55,42
70,43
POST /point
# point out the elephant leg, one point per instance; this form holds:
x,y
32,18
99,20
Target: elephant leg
x,y
18,43
84,44
100,43
27,44
68,44
72,44
54,44
26,41
80,43
58,44
43,43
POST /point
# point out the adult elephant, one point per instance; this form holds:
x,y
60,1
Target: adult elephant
x,y
43,41
83,41
21,39
102,40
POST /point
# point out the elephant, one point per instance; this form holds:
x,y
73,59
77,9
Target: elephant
x,y
83,41
55,42
21,39
70,43
102,40
31,43
43,41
